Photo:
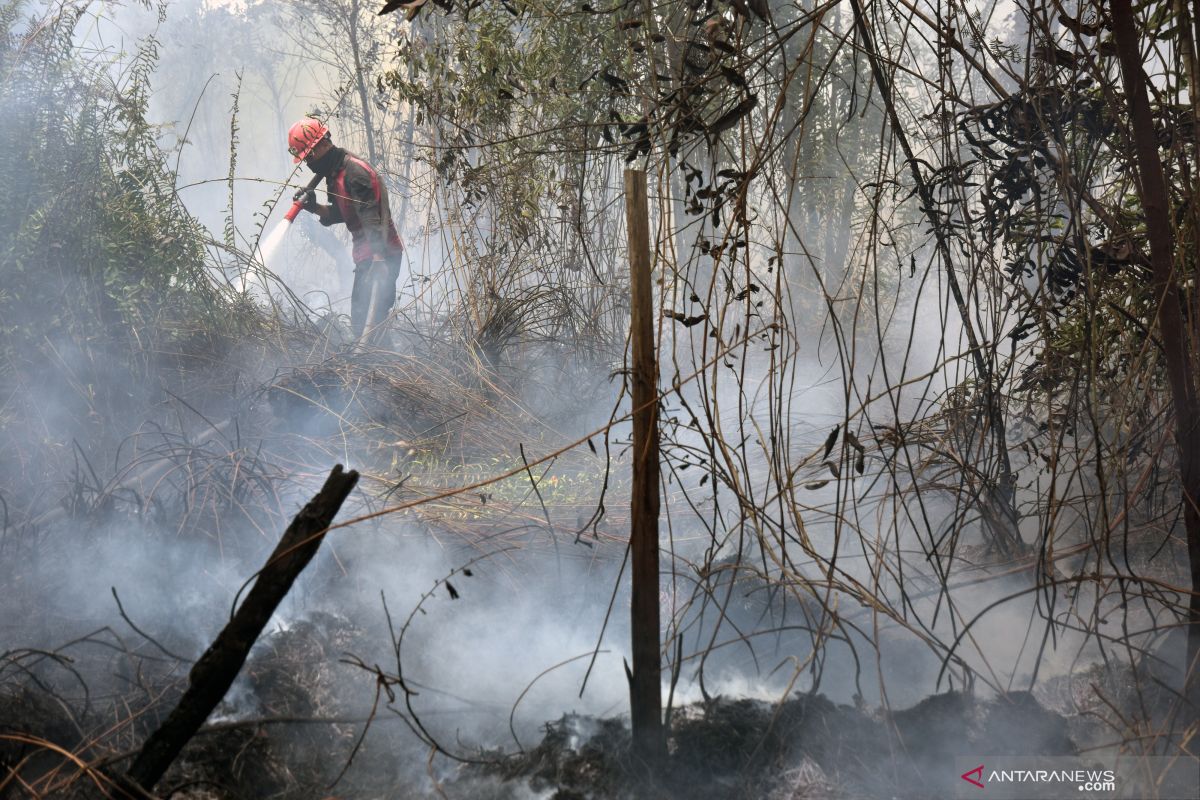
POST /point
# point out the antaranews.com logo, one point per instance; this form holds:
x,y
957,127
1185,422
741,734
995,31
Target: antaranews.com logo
x,y
1075,778
1087,780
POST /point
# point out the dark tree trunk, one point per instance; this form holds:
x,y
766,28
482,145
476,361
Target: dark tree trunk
x,y
1152,188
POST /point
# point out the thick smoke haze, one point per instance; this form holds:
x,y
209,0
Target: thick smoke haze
x,y
830,578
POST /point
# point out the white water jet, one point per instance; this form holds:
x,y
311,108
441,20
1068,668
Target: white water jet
x,y
270,244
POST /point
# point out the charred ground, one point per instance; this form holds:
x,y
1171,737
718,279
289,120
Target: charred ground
x,y
924,433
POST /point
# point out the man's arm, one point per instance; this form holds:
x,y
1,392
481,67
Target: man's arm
x,y
328,214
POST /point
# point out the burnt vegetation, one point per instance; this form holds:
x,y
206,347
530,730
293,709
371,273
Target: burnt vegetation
x,y
923,307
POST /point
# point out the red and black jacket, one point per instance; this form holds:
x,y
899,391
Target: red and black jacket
x,y
359,199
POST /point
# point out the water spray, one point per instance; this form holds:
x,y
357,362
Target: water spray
x,y
274,240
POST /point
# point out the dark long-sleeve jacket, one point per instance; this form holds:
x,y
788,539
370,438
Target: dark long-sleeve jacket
x,y
360,200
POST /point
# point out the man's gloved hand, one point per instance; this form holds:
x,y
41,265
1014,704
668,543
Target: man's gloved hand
x,y
307,198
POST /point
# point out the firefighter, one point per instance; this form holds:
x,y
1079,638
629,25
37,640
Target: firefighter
x,y
359,200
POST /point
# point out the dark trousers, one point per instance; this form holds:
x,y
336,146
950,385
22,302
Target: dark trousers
x,y
360,295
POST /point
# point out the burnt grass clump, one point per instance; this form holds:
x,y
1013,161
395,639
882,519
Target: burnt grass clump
x,y
364,392
285,730
806,746
294,722
295,718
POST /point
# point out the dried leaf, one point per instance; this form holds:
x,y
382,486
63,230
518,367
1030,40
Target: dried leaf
x,y
831,440
616,82
410,8
687,321
733,115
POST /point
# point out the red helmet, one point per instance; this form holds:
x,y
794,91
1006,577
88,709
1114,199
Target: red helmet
x,y
303,137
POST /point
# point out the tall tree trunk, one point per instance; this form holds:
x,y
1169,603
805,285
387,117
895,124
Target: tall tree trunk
x,y
361,84
407,153
1152,188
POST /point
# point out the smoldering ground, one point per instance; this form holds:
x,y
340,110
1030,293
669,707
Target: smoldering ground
x,y
177,518
153,456
472,653
176,510
176,571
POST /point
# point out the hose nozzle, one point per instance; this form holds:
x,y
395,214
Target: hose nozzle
x,y
299,197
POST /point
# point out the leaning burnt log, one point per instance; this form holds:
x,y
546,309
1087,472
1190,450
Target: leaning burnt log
x,y
216,670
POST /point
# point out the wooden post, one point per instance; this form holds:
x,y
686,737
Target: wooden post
x,y
645,678
214,673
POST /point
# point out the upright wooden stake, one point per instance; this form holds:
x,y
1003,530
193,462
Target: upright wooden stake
x,y
645,679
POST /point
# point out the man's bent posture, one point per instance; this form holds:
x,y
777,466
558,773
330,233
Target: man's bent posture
x,y
358,199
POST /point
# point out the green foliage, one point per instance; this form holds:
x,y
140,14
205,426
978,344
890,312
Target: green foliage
x,y
95,241
511,105
1082,295
508,92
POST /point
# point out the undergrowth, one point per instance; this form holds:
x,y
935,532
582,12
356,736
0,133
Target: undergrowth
x,y
111,290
